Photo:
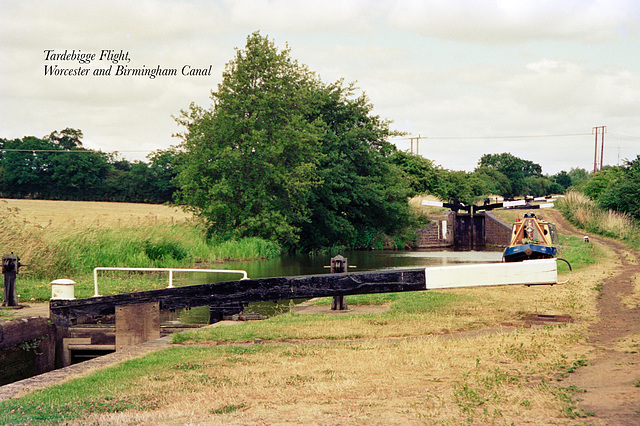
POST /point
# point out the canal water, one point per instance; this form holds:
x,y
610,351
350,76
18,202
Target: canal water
x,y
294,265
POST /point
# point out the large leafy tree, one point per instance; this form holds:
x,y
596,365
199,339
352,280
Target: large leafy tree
x,y
362,194
282,155
251,160
515,169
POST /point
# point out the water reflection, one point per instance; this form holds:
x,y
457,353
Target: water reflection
x,y
294,265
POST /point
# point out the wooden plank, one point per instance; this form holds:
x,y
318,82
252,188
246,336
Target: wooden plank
x,y
137,324
229,293
66,350
92,347
64,312
530,272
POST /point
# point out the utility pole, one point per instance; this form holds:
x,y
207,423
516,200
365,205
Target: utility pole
x,y
417,142
599,130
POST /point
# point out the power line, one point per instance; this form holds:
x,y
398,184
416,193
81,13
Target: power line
x,y
60,151
625,137
494,137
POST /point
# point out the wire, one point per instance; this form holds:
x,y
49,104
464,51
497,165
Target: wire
x,y
624,137
497,137
60,151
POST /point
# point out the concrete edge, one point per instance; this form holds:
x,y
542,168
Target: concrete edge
x,y
75,371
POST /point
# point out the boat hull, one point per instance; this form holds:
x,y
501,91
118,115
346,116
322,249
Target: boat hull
x,y
528,251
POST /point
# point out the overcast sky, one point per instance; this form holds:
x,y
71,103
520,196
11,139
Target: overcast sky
x,y
469,76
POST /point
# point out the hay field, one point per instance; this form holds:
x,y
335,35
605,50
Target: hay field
x,y
91,213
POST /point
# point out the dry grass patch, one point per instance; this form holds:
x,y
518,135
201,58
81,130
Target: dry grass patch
x,y
509,216
632,300
416,204
84,213
500,378
629,344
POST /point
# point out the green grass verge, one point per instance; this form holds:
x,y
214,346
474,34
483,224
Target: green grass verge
x,y
578,253
110,390
585,214
405,307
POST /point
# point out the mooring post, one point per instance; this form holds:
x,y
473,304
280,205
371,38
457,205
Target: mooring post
x,y
338,265
10,266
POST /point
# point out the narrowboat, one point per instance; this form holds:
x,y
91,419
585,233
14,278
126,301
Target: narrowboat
x,y
531,238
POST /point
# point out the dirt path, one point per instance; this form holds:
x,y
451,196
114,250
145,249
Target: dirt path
x,y
612,377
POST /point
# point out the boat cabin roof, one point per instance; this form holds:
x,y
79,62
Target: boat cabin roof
x,y
532,230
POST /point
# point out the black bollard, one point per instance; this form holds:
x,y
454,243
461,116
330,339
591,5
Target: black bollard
x,y
338,265
10,266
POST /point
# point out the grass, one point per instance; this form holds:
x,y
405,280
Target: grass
x,y
70,246
381,381
402,366
584,213
408,311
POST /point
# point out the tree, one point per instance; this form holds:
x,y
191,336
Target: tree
x,y
251,161
78,175
57,167
601,180
622,192
67,139
495,180
163,169
578,176
362,194
26,167
280,154
514,168
421,174
563,179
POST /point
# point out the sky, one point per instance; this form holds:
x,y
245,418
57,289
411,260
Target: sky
x,y
469,77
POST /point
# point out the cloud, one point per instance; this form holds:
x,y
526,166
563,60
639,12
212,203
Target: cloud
x,y
439,68
304,16
507,21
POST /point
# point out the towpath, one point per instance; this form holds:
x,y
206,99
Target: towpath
x,y
611,378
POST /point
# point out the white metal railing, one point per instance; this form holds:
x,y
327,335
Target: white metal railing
x,y
170,270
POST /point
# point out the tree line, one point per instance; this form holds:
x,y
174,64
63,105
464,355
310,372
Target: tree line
x,y
58,167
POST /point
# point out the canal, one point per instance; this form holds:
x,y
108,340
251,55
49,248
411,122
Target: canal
x,y
300,264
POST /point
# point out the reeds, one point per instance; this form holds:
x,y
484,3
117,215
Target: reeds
x,y
582,211
68,249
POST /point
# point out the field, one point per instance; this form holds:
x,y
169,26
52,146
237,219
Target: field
x,y
450,357
86,213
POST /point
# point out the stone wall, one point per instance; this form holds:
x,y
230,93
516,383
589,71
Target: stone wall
x,y
496,232
438,232
27,348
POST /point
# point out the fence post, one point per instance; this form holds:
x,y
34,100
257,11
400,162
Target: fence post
x,y
338,265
